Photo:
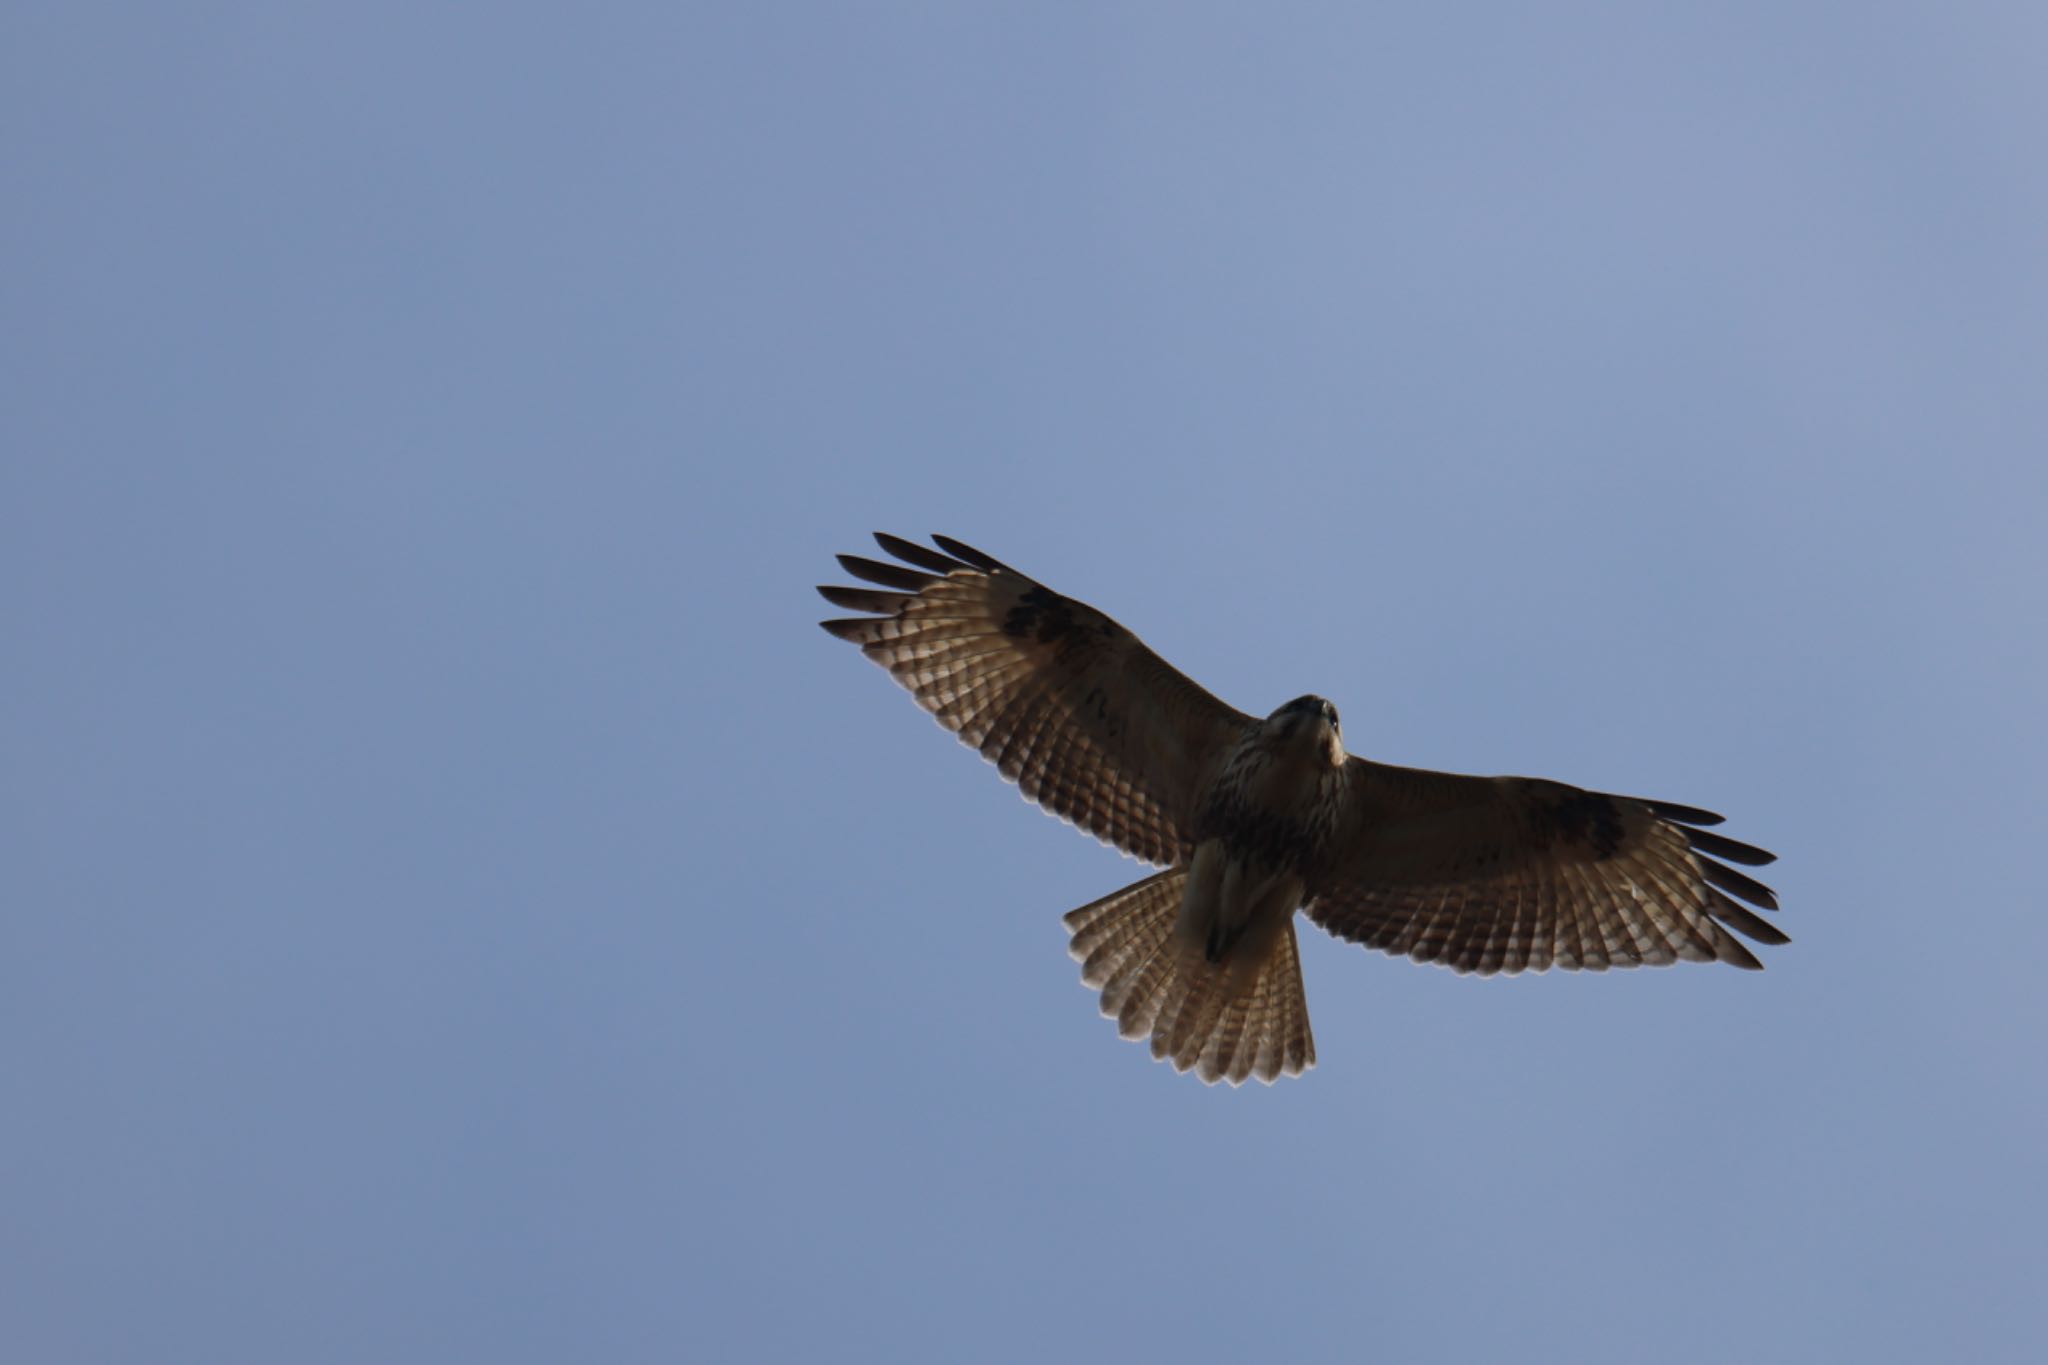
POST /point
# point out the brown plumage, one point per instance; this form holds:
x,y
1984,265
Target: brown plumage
x,y
1255,819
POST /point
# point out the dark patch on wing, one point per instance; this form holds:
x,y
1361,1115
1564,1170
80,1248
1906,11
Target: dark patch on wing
x,y
1042,615
1585,818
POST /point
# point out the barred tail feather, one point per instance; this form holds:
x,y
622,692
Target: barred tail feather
x,y
1231,1021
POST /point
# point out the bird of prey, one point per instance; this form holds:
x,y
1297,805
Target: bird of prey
x,y
1254,819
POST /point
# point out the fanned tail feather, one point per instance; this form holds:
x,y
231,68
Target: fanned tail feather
x,y
1227,1022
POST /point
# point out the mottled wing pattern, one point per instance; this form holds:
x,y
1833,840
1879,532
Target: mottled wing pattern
x,y
1510,874
1073,708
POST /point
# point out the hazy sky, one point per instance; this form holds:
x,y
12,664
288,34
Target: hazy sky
x,y
458,906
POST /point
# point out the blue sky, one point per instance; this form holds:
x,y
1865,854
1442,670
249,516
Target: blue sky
x,y
460,907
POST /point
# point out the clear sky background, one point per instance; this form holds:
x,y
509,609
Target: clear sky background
x,y
458,906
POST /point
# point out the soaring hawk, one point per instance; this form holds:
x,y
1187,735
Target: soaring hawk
x,y
1253,819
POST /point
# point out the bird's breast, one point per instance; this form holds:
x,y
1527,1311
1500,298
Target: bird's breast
x,y
1278,808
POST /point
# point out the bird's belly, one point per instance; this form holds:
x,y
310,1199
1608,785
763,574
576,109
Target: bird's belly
x,y
1234,906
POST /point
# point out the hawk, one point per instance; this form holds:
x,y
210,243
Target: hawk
x,y
1254,819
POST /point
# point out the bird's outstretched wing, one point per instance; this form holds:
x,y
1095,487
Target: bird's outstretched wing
x,y
1073,708
1509,874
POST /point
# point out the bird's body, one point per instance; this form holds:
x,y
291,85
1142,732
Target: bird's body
x,y
1254,820
1269,815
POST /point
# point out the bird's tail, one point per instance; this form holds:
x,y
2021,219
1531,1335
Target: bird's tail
x,y
1241,1017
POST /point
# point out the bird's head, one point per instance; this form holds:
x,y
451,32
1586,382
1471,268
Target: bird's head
x,y
1309,723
